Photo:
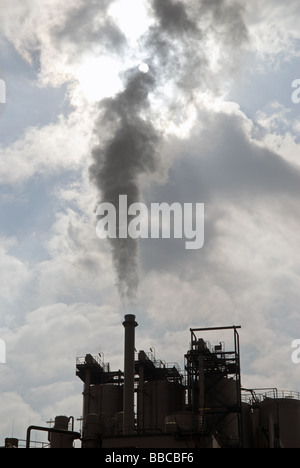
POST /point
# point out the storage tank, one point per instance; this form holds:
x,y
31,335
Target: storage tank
x,y
222,394
247,424
119,418
221,410
61,439
161,399
183,421
92,437
279,423
106,401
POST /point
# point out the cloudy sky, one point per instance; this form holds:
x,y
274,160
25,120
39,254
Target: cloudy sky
x,y
213,122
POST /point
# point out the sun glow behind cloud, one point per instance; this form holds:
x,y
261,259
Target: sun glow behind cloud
x,y
98,77
133,21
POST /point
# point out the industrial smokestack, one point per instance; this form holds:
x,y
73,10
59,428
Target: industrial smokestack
x,y
128,396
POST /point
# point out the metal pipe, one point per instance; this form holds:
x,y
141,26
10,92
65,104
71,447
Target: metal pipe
x,y
129,372
201,388
216,328
75,435
140,419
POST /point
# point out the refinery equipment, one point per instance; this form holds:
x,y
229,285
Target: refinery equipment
x,y
156,405
214,388
153,404
274,418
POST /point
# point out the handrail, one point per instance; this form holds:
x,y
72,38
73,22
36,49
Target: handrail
x,y
259,395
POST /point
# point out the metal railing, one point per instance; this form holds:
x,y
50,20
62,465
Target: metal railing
x,y
259,395
94,360
159,363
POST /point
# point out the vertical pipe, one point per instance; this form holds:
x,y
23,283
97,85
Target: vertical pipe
x,y
141,399
87,391
129,372
201,383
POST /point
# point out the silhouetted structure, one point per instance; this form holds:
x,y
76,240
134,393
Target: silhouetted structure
x,y
152,404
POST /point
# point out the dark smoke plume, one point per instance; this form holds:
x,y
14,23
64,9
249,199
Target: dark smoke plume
x,y
174,48
129,152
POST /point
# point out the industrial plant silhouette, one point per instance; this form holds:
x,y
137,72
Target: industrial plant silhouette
x,y
154,405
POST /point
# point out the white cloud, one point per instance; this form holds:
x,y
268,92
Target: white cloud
x,y
16,415
245,171
58,35
273,31
279,132
41,360
56,147
14,274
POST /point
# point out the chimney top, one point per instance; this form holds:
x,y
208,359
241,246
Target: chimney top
x,y
130,320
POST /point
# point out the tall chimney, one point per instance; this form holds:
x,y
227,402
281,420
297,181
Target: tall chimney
x,y
128,397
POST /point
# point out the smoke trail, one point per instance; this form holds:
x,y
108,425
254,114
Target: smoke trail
x,y
174,48
129,152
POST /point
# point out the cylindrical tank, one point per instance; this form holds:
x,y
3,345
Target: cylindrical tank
x,y
92,437
106,401
61,439
183,421
11,442
221,411
119,423
279,423
61,422
161,399
247,418
222,394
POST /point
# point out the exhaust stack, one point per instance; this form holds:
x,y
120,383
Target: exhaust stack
x,y
128,396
